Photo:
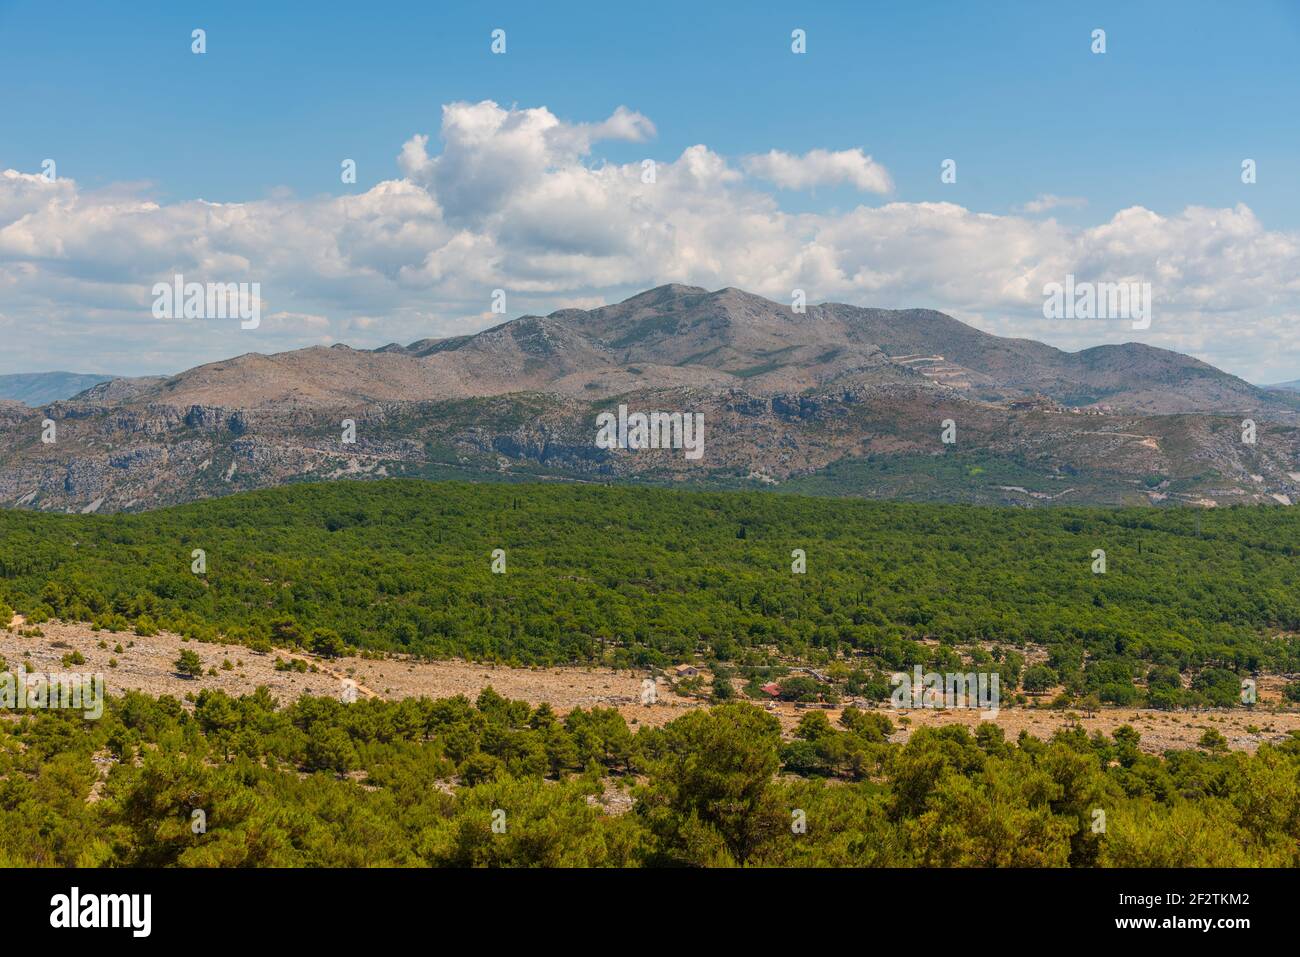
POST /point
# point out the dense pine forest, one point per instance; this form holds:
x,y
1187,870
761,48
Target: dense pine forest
x,y
644,577
240,782
1189,603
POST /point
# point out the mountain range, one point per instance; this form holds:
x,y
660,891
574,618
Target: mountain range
x,y
836,399
37,388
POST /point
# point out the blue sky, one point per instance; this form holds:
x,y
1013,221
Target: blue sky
x,y
1161,121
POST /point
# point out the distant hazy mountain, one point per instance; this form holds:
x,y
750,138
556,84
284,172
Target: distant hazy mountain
x,y
683,336
38,388
835,400
1285,386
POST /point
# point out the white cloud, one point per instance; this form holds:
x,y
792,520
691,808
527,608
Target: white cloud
x,y
514,200
1045,202
302,320
491,154
821,168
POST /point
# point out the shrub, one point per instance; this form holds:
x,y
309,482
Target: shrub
x,y
189,664
1039,678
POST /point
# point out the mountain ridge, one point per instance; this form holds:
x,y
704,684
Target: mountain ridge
x,y
839,399
675,335
37,388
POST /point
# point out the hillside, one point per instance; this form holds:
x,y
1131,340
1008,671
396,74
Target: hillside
x,y
647,576
839,400
676,335
255,728
421,782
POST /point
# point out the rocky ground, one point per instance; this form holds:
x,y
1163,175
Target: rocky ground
x,y
785,396
148,665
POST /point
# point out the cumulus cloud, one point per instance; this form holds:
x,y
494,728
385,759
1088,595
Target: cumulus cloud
x,y
490,154
821,168
516,199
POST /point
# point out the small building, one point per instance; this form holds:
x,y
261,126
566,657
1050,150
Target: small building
x,y
772,689
686,671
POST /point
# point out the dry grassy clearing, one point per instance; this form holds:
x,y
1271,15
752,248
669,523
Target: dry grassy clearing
x,y
148,665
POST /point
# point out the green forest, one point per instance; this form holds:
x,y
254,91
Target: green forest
x,y
1189,603
240,782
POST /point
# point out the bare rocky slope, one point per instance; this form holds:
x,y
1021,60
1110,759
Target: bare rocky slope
x,y
836,400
